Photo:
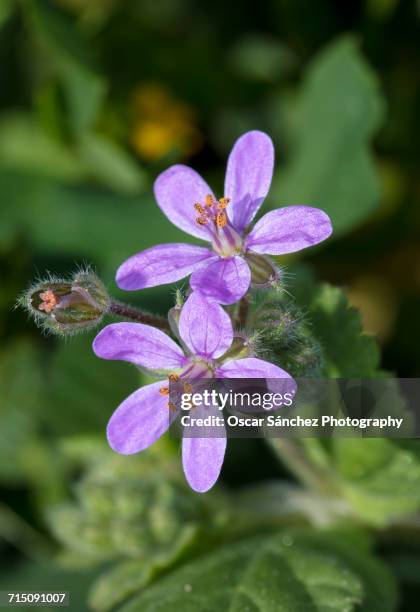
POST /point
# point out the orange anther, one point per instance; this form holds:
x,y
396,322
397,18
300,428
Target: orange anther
x,y
221,219
164,390
199,208
49,301
223,202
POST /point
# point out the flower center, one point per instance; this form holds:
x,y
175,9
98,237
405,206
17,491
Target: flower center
x,y
196,368
49,301
225,239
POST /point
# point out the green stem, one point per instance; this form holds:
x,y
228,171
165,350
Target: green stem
x,y
291,454
242,315
15,530
126,311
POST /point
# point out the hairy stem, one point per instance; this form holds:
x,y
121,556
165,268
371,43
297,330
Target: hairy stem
x,y
127,311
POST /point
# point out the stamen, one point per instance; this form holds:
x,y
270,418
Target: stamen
x,y
171,406
188,388
164,390
223,202
199,208
221,219
173,377
213,211
49,301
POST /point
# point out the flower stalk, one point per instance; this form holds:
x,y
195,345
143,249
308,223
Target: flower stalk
x,y
126,311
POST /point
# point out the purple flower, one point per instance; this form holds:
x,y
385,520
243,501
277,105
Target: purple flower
x,y
206,332
237,256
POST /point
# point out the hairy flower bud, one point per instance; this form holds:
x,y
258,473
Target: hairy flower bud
x,y
286,337
175,312
65,307
281,322
173,319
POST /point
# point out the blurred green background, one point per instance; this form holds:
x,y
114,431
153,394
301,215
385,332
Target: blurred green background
x,y
96,98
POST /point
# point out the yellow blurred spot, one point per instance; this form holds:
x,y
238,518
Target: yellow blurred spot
x,y
162,124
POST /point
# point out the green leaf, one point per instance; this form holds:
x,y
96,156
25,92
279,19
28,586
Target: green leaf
x,y
290,571
261,58
315,331
110,164
83,222
348,351
125,513
129,577
339,109
381,479
21,391
25,146
67,51
85,390
6,9
36,577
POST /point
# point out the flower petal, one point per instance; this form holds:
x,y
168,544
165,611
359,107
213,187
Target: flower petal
x,y
279,381
248,176
176,191
205,327
140,344
140,420
203,452
159,265
224,280
251,367
290,229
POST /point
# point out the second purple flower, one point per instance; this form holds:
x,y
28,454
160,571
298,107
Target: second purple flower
x,y
207,334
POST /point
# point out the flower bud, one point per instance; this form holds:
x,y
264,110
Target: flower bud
x,y
242,346
173,319
65,307
286,337
263,270
175,312
280,322
305,358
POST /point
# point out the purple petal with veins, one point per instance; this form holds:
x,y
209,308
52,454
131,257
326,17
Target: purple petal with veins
x,y
176,191
203,450
223,280
140,420
288,230
248,176
161,264
140,344
205,327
